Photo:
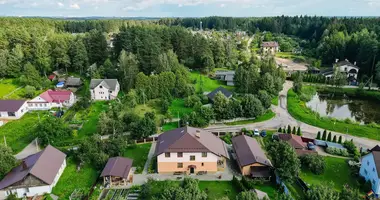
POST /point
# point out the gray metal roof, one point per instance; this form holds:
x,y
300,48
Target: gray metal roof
x,y
11,105
71,81
117,166
221,89
107,83
248,151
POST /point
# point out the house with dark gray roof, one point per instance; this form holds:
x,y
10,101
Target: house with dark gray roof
x,y
221,89
345,67
117,172
104,89
37,174
12,109
73,82
251,158
226,75
189,150
370,169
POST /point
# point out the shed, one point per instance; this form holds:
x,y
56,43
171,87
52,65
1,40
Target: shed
x,y
73,82
117,172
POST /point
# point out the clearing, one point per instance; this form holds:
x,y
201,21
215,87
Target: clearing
x,y
177,108
9,85
290,65
139,154
208,84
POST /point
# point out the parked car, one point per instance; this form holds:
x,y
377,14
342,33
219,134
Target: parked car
x,y
256,132
310,146
263,133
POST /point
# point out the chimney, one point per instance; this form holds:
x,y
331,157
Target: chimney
x,y
24,165
347,60
336,60
198,133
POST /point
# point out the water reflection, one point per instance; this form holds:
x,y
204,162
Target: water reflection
x,y
364,111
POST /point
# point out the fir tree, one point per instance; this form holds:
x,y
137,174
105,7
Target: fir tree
x,y
294,131
299,131
324,135
329,137
334,139
279,130
340,140
319,135
289,129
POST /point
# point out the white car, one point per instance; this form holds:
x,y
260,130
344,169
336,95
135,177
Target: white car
x,y
256,132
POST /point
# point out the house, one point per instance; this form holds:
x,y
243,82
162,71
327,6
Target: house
x,y
270,47
251,158
221,89
104,89
297,142
370,169
190,150
117,172
52,99
37,174
12,109
225,75
55,75
73,82
350,70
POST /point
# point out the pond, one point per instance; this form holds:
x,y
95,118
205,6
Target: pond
x,y
358,110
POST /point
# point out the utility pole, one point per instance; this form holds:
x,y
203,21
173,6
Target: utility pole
x,y
5,141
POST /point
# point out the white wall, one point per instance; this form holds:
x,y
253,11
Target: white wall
x,y
102,93
18,114
369,172
346,68
186,157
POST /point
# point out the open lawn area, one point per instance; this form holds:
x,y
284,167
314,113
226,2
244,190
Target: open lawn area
x,y
71,180
170,126
7,86
19,133
208,84
337,171
267,116
92,119
218,189
298,109
178,108
275,101
292,56
296,191
139,154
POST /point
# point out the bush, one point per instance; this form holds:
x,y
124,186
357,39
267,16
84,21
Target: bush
x,y
336,151
315,163
319,135
227,138
191,101
238,184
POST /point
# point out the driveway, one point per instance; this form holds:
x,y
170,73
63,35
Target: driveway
x,y
28,150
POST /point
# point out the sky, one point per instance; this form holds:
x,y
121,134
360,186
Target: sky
x,y
188,8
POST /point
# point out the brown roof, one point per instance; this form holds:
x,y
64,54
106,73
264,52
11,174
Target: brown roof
x,y
44,165
376,148
269,44
11,105
302,152
248,151
117,166
185,140
294,140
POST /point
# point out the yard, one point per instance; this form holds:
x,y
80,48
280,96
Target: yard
x,y
177,108
91,124
206,83
72,180
19,133
218,189
7,86
139,154
337,171
170,126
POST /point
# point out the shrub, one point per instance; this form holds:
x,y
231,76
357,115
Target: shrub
x,y
289,129
238,184
279,130
329,137
324,135
334,139
340,139
299,131
315,163
294,130
336,151
227,138
191,101
319,135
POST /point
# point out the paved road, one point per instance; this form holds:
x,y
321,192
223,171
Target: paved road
x,y
283,118
28,150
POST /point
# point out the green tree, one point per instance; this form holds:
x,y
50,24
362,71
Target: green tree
x,y
377,73
299,131
315,163
128,66
289,130
350,193
52,130
7,160
252,106
322,191
96,46
144,127
29,91
265,98
41,60
334,139
319,135
340,139
31,76
324,135
297,85
247,195
220,106
339,78
78,55
219,53
246,78
3,62
294,130
329,137
279,130
15,61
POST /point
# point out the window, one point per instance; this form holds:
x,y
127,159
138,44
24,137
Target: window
x,y
179,155
192,158
167,155
179,165
373,169
365,171
368,163
203,164
345,69
373,182
204,154
11,114
110,91
100,86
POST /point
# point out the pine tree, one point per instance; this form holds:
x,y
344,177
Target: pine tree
x,y
329,137
340,140
284,130
289,129
319,135
294,131
279,130
324,135
334,139
299,131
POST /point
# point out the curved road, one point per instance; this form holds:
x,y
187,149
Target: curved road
x,y
283,118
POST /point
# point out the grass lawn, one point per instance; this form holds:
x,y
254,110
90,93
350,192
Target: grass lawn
x,y
139,154
141,109
337,171
170,126
208,83
275,101
218,189
19,133
7,86
292,56
71,180
268,188
296,191
91,124
178,108
300,111
267,116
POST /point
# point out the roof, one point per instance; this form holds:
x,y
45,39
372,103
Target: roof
x,y
51,77
11,105
345,62
224,72
117,166
43,165
221,89
269,44
294,140
248,151
56,96
185,140
107,83
376,148
301,152
71,81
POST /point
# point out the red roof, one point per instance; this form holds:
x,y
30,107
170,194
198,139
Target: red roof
x,y
51,77
294,140
56,96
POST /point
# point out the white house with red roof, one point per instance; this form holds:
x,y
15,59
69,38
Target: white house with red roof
x,y
52,99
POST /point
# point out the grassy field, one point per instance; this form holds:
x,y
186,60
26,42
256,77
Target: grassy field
x,y
170,126
7,86
268,188
218,189
337,171
275,101
71,180
178,108
19,133
292,56
139,154
208,83
141,109
299,111
267,116
296,191
91,124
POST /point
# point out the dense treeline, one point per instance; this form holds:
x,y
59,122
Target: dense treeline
x,y
330,38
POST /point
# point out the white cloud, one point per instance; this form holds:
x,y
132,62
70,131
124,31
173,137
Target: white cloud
x,y
60,4
74,6
222,5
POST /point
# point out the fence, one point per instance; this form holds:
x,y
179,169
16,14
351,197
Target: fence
x,y
280,182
